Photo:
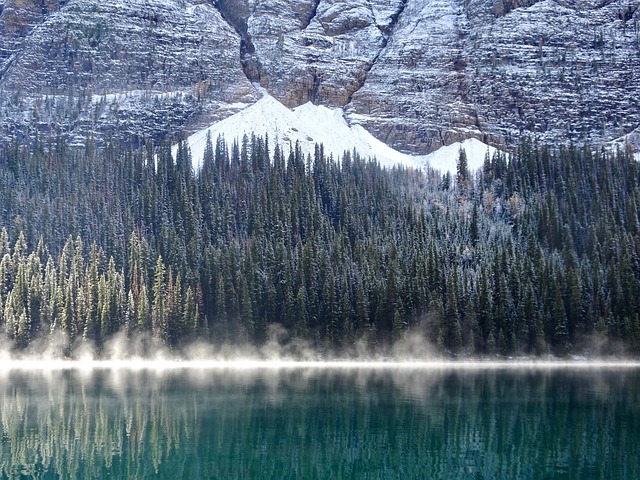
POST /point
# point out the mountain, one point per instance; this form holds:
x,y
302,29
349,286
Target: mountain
x,y
416,74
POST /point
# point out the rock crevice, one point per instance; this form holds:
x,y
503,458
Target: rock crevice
x,y
386,31
312,15
236,14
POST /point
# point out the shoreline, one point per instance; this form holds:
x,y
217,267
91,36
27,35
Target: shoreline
x,y
337,364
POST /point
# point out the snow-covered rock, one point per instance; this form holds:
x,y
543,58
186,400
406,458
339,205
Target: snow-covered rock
x,y
416,74
110,46
626,143
420,74
181,53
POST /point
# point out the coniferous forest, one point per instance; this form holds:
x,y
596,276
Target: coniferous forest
x,y
531,255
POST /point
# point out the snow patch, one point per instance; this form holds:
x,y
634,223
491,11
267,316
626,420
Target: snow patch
x,y
309,125
445,159
133,94
630,141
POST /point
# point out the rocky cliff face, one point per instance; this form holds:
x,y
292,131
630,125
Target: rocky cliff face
x,y
418,74
310,50
148,65
107,45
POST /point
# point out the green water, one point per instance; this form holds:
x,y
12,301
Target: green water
x,y
314,423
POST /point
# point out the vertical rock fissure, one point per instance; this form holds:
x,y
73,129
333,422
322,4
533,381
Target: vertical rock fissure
x,y
313,14
6,66
386,35
250,63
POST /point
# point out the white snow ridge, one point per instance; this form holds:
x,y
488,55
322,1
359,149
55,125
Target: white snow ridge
x,y
311,124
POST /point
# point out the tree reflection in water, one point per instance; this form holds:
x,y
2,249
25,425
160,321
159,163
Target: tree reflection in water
x,y
320,423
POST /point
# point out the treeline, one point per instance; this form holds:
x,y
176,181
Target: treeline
x,y
532,255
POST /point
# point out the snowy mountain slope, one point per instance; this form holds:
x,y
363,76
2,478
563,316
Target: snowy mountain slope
x,y
310,124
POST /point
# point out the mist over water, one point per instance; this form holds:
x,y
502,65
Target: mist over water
x,y
280,346
137,409
280,350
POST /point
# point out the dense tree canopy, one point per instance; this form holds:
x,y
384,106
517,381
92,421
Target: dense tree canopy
x,y
535,255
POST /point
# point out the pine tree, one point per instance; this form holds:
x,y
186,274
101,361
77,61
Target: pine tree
x,y
158,309
462,169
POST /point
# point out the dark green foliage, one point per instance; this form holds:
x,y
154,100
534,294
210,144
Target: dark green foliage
x,y
535,254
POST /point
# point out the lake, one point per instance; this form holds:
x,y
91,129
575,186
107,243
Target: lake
x,y
320,423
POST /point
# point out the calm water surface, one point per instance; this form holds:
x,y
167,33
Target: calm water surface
x,y
312,423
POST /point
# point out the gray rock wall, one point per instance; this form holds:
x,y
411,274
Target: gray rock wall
x,y
418,74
